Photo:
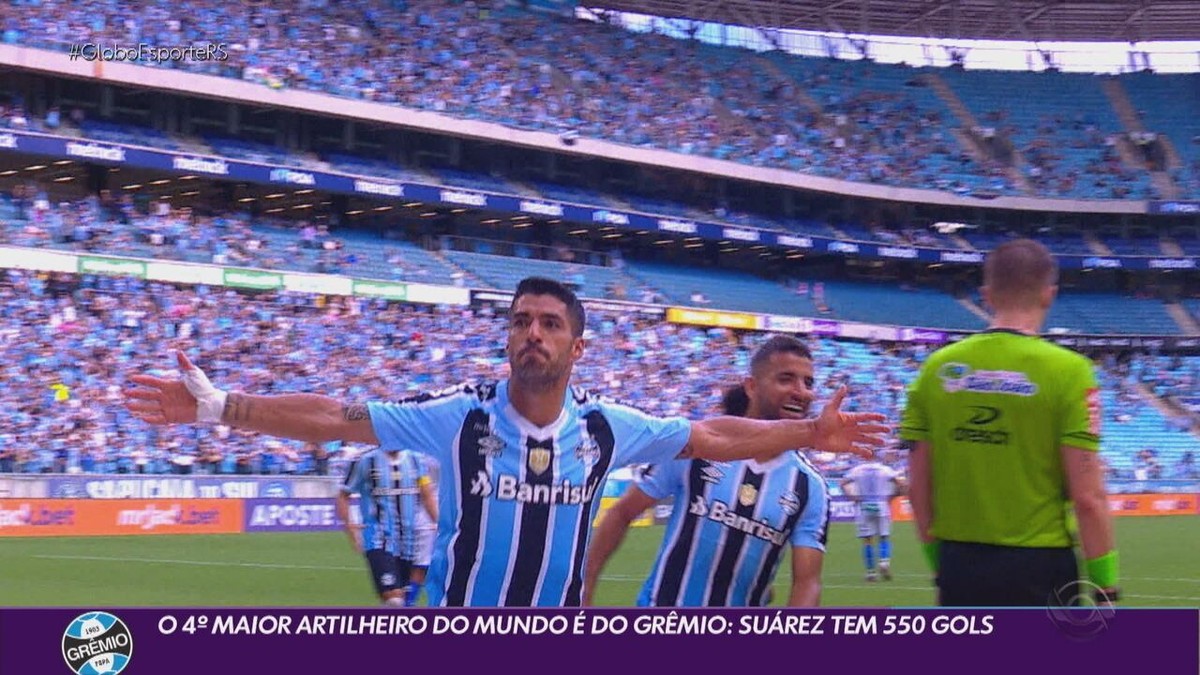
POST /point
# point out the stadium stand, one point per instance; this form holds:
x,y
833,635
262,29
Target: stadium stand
x,y
1163,102
235,238
70,341
530,70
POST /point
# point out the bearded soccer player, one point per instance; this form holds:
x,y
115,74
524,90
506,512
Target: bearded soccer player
x,y
523,458
732,520
1005,429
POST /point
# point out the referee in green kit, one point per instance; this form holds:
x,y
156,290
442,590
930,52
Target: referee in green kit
x,y
1004,429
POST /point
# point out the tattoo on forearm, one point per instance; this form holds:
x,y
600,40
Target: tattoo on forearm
x,y
237,409
686,453
355,413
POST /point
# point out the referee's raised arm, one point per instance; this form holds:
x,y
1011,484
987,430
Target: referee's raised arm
x,y
192,399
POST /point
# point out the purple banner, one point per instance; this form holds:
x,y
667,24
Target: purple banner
x,y
825,327
227,640
923,335
168,487
841,509
291,515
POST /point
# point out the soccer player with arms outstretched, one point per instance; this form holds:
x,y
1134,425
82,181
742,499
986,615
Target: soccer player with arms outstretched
x,y
523,459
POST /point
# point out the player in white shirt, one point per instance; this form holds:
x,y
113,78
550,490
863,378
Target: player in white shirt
x,y
872,485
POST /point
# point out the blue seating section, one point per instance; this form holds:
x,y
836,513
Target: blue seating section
x,y
724,289
503,272
128,133
474,181
1057,120
376,167
1099,313
879,303
1167,105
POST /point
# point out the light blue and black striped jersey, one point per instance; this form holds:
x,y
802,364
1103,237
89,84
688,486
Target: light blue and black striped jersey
x,y
387,484
429,472
728,528
516,502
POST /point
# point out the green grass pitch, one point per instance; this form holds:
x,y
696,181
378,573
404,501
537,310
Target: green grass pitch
x,y
320,570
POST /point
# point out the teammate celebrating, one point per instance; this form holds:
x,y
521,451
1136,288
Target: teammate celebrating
x,y
393,490
525,457
731,520
871,485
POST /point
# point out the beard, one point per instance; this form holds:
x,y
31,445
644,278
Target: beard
x,y
538,375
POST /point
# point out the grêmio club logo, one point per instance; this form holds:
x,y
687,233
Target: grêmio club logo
x,y
97,643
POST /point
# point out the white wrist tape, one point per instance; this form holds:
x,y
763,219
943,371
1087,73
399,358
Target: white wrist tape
x,y
210,401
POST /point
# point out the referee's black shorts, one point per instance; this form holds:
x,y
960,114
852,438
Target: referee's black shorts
x,y
985,575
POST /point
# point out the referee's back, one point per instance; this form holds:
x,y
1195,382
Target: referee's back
x,y
996,409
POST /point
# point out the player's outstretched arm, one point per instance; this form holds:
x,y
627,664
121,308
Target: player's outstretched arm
x,y
609,534
193,399
731,438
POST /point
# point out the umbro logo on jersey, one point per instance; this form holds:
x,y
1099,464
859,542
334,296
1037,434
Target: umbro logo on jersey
x,y
790,503
711,474
491,445
588,450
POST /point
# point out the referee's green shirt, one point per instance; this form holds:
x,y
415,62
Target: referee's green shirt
x,y
995,409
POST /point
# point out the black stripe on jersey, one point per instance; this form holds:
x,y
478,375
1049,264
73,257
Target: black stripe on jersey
x,y
370,469
772,560
403,536
531,540
347,482
718,596
671,575
472,466
600,431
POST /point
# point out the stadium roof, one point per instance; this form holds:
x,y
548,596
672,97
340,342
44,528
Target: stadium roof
x,y
1027,20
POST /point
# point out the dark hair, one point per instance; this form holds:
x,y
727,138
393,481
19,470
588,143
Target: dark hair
x,y
1017,270
542,286
778,344
735,401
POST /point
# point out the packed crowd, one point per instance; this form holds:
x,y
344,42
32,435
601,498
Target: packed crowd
x,y
69,344
488,60
115,224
